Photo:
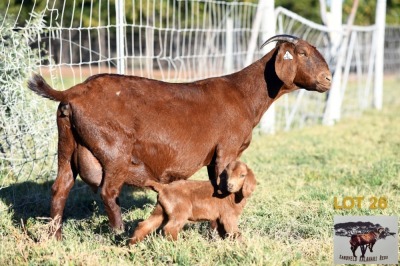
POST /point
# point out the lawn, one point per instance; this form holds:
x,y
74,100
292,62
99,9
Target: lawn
x,y
287,221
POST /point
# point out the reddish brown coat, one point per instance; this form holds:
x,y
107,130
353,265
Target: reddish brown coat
x,y
116,130
364,240
182,201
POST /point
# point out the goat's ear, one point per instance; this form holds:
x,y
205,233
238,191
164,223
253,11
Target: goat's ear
x,y
286,63
249,183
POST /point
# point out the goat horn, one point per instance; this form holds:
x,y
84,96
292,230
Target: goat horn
x,y
282,37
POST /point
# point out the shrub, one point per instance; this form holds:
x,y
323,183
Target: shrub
x,y
24,119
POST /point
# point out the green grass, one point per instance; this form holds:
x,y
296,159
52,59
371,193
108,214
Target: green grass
x,y
287,221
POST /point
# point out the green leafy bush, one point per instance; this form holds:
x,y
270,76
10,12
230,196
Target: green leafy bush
x,y
24,118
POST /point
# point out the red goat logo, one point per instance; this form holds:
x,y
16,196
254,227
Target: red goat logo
x,y
365,241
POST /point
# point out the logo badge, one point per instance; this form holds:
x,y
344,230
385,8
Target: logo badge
x,y
365,240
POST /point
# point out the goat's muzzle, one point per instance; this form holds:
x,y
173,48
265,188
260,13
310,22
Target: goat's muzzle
x,y
324,81
232,187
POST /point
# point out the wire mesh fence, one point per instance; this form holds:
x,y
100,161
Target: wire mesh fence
x,y
303,108
392,50
26,123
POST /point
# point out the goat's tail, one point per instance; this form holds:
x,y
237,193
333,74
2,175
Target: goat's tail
x,y
37,84
157,187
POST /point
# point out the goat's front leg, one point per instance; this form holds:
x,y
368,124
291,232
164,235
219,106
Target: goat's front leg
x,y
230,224
221,159
216,225
363,249
212,175
370,246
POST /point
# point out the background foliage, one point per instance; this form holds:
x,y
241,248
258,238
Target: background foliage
x,y
306,8
19,137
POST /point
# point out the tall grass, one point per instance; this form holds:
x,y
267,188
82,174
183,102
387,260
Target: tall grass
x,y
288,220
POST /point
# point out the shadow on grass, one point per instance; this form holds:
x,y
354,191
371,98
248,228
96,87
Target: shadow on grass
x,y
32,200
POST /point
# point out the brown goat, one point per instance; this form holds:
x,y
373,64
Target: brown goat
x,y
182,201
364,241
115,130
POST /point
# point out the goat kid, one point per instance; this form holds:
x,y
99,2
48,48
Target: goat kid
x,y
182,201
115,130
364,241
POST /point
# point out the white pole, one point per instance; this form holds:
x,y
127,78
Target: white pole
x,y
380,46
265,15
333,106
149,51
120,13
228,64
268,29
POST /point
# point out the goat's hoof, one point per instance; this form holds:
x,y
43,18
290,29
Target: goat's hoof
x,y
56,234
234,236
133,241
118,229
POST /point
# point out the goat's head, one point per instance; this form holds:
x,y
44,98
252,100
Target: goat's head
x,y
379,231
240,177
299,64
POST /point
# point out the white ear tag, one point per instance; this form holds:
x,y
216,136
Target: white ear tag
x,y
287,56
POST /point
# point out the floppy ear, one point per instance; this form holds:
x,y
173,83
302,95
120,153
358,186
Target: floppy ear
x,y
249,183
286,63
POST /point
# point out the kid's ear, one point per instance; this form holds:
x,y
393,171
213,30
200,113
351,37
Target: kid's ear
x,y
286,63
249,183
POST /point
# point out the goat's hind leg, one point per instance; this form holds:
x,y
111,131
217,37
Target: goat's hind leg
x,y
115,176
147,226
175,223
113,182
66,170
354,248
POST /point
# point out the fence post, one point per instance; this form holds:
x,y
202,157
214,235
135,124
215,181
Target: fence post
x,y
333,105
149,51
380,18
265,14
120,14
262,23
268,29
228,62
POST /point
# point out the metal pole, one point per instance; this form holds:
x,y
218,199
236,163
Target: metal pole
x,y
265,14
333,106
266,11
149,51
120,14
228,64
380,46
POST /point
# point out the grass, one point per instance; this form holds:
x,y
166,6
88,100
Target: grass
x,y
288,220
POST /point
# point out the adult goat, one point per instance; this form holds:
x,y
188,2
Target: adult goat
x,y
364,241
115,130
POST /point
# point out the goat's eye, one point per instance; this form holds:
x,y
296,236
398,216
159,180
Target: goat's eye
x,y
242,175
302,54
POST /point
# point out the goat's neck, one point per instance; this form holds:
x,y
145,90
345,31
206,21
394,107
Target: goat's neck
x,y
237,198
376,235
257,91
